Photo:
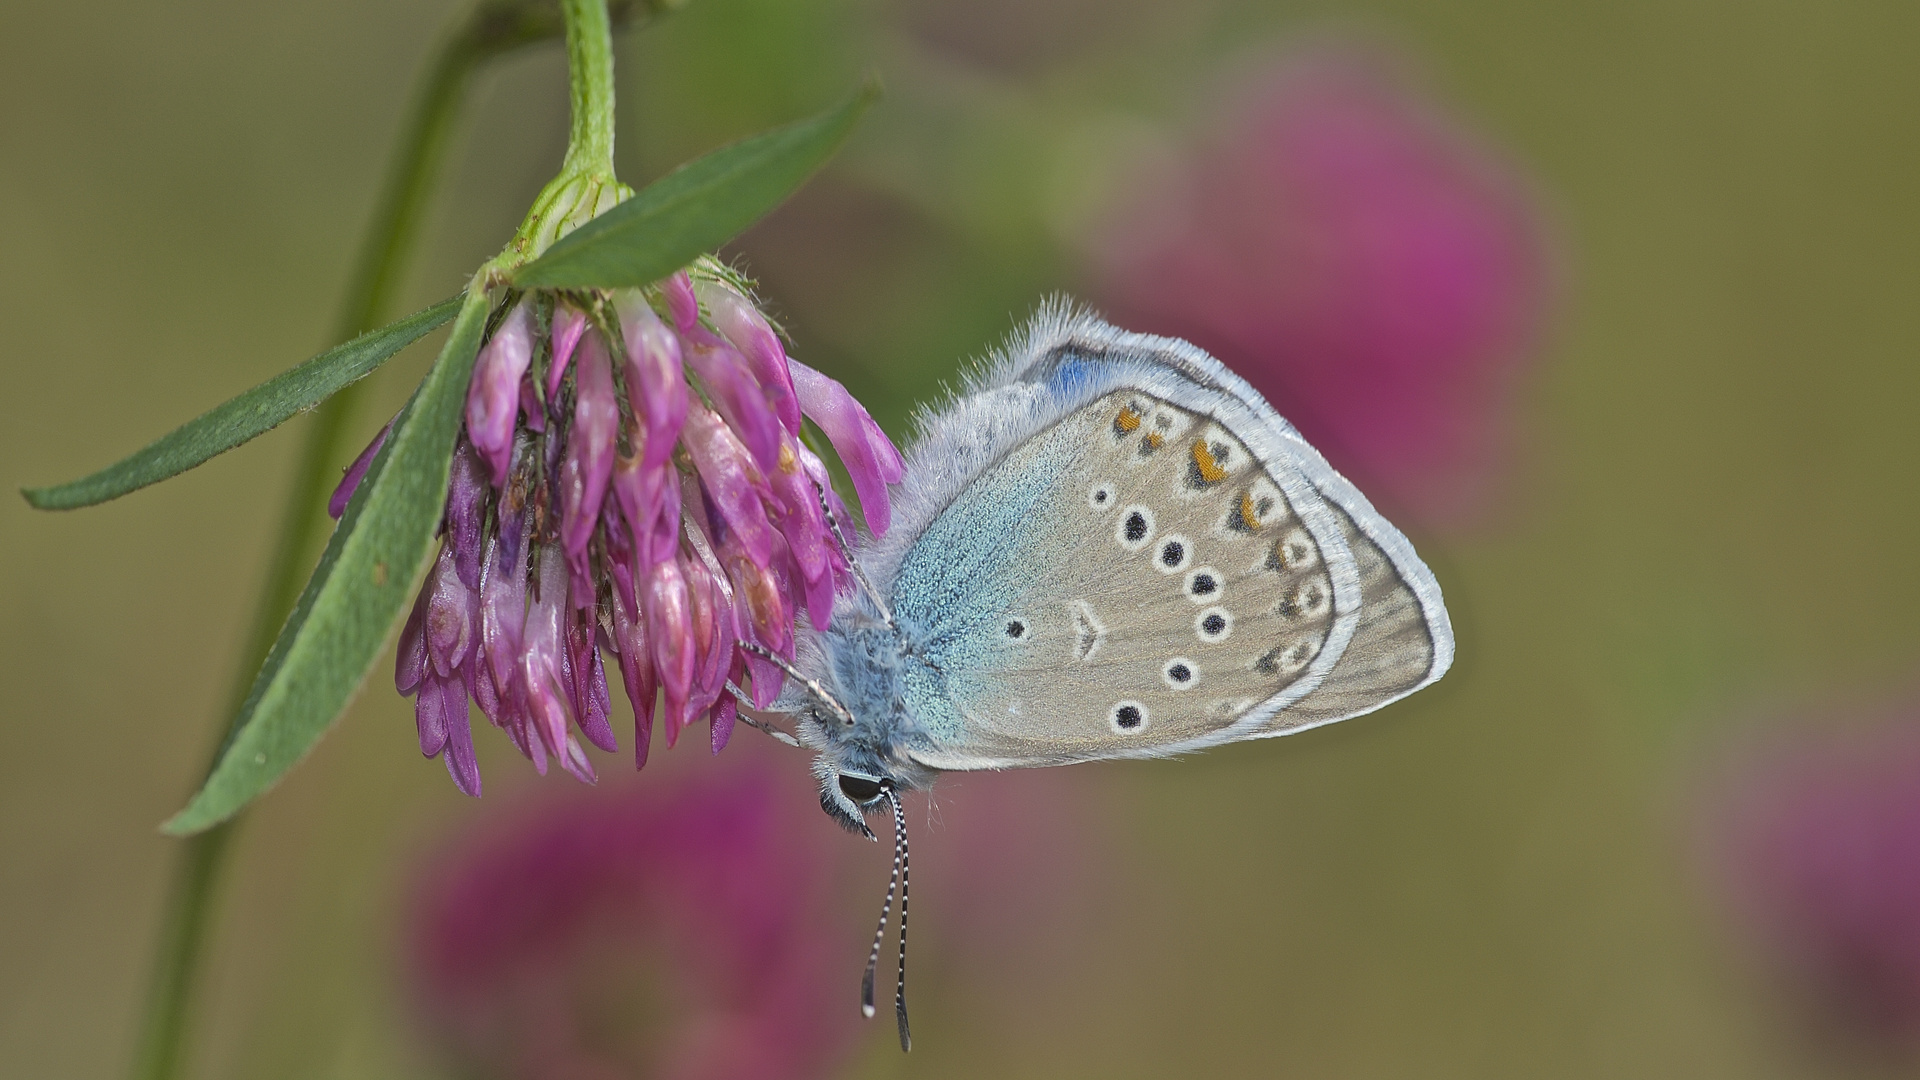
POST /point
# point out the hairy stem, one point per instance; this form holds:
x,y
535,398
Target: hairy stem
x,y
590,85
585,186
488,30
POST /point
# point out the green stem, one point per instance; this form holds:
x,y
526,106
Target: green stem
x,y
590,84
490,29
585,187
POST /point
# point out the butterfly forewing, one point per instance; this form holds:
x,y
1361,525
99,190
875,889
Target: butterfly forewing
x,y
1177,591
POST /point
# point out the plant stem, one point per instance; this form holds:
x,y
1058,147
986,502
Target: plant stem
x,y
490,29
585,187
590,86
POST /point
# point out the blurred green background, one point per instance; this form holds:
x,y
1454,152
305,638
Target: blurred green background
x,y
1712,516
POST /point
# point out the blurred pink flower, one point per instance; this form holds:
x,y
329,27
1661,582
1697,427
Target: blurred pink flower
x,y
683,930
703,926
1817,844
1364,263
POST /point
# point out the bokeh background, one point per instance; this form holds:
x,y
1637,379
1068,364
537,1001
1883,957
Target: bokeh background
x,y
1680,555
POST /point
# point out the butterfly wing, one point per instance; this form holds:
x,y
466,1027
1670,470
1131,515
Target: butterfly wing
x,y
1118,549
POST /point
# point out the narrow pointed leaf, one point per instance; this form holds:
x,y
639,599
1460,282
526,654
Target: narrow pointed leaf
x,y
253,413
363,583
695,208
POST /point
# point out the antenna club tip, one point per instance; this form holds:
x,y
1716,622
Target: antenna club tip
x,y
866,1011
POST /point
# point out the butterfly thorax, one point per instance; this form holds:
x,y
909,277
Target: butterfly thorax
x,y
868,664
869,667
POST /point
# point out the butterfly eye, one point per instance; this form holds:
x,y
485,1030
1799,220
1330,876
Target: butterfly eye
x,y
861,789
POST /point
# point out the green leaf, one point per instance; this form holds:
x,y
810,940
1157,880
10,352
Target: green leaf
x,y
695,208
367,575
253,413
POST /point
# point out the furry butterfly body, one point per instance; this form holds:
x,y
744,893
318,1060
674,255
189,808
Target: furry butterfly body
x,y
1108,545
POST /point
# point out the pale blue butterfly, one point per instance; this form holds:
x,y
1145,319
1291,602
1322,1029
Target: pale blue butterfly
x,y
1107,546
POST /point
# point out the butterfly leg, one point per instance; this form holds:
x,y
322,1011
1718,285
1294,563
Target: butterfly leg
x,y
813,686
746,702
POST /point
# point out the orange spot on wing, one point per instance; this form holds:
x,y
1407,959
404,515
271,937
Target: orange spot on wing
x,y
1247,513
1128,420
1210,470
1154,439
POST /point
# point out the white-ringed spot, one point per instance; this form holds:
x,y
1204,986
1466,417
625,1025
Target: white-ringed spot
x,y
1297,655
1179,673
1288,659
1314,597
1102,497
1293,552
1311,600
1174,554
1135,530
1203,585
1214,624
1127,717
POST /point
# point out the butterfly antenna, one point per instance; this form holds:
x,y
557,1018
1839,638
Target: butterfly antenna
x,y
853,564
812,685
897,880
900,986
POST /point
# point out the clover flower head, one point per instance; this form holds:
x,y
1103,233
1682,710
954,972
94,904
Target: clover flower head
x,y
632,479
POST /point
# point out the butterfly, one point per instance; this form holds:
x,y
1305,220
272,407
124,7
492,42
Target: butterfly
x,y
1108,545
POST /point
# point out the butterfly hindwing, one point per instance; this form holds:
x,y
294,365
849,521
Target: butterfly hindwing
x,y
1393,652
1155,586
1120,550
